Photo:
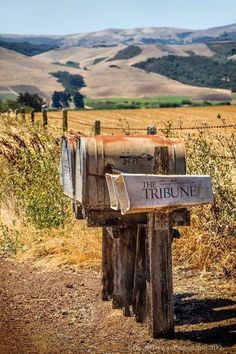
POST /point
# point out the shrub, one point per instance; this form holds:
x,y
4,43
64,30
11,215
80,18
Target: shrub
x,y
29,161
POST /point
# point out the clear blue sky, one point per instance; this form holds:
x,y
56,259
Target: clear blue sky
x,y
75,16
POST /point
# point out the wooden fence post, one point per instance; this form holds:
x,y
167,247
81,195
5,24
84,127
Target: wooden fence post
x,y
23,113
45,118
97,127
32,116
159,276
151,130
64,120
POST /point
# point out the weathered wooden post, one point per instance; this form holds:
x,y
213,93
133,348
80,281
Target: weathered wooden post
x,y
107,264
65,120
32,116
124,246
45,118
159,284
159,275
23,114
139,294
151,130
97,127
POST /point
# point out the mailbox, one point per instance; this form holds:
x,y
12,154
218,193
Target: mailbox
x,y
98,155
86,162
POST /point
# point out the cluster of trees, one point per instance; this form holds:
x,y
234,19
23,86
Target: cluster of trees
x,y
24,101
62,99
72,84
127,53
26,48
194,70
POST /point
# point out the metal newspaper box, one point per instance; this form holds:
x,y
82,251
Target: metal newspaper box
x,y
98,155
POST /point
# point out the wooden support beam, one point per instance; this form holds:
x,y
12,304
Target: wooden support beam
x,y
107,264
139,294
159,276
124,249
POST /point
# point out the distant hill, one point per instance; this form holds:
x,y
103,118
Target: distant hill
x,y
136,36
106,63
27,48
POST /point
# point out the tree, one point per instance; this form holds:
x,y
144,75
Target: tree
x,y
60,99
79,100
30,100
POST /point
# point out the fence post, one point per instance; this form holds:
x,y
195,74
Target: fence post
x,y
45,118
32,116
64,120
23,113
97,127
151,130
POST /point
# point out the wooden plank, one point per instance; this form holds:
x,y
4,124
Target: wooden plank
x,y
128,249
117,297
107,264
139,294
124,245
159,276
112,218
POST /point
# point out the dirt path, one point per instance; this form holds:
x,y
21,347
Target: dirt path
x,y
60,311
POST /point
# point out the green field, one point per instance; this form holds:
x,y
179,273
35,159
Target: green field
x,y
146,102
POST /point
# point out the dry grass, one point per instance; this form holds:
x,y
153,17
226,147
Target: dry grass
x,y
141,118
75,244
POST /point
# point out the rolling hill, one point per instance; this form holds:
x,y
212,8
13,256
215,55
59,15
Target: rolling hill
x,y
105,60
106,78
113,37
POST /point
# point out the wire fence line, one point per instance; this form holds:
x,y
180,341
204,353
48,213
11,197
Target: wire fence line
x,y
204,126
127,128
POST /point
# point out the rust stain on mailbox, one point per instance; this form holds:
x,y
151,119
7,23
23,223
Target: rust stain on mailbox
x,y
110,139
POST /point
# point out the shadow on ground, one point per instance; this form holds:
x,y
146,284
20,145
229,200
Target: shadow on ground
x,y
189,310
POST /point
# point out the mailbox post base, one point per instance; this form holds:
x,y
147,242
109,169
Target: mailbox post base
x,y
159,276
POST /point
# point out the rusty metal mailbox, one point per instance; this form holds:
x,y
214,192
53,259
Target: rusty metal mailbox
x,y
98,155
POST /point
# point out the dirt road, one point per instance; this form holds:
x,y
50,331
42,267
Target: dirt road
x,y
60,311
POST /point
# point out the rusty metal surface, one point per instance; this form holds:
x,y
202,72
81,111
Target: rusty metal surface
x,y
98,155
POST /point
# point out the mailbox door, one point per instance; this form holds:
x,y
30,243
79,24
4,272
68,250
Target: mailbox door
x,y
67,168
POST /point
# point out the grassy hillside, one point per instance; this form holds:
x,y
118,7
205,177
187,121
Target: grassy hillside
x,y
194,70
127,53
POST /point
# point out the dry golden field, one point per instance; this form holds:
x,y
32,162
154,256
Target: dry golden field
x,y
133,120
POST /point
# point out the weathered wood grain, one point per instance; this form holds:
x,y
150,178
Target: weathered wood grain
x,y
107,265
139,294
159,279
